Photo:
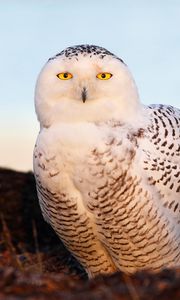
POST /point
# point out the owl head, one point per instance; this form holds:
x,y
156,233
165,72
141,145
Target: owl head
x,y
85,83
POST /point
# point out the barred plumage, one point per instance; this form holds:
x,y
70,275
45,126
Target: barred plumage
x,y
109,184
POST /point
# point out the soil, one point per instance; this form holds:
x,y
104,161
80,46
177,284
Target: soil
x,y
34,264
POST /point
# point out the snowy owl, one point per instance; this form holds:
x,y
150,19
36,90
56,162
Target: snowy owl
x,y
107,168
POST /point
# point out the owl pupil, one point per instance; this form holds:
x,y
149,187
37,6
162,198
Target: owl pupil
x,y
65,75
103,75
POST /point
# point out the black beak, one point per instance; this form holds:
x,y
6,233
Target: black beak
x,y
84,94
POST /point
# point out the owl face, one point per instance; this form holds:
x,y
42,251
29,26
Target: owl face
x,y
84,83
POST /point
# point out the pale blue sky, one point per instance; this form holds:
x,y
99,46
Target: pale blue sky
x,y
146,34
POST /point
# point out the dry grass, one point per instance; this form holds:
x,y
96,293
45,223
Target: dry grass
x,y
35,265
7,241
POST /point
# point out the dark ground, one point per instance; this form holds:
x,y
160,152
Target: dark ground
x,y
35,265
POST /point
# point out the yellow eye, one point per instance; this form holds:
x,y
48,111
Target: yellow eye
x,y
104,76
64,76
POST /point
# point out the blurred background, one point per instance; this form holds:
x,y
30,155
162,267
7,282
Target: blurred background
x,y
145,34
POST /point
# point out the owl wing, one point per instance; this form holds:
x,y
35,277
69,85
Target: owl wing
x,y
45,170
161,155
